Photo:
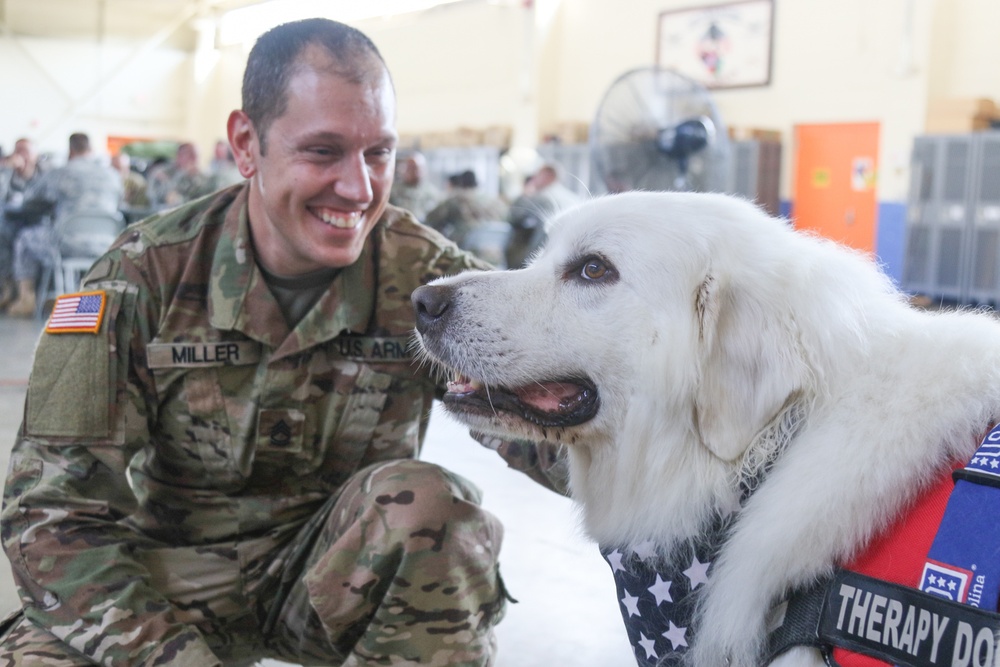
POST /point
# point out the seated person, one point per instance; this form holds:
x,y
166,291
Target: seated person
x,y
465,209
18,171
84,184
179,181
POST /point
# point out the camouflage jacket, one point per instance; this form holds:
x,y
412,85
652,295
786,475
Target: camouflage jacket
x,y
194,423
171,186
462,212
417,199
82,185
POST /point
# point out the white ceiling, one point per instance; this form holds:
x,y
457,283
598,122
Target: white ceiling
x,y
109,19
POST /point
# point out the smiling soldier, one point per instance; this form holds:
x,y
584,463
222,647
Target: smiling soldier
x,y
232,472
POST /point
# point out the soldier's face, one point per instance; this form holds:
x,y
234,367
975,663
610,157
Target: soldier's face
x,y
324,180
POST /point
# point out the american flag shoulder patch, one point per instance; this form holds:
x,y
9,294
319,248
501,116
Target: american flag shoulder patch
x,y
81,312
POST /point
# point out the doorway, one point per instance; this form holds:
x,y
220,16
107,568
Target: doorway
x,y
835,178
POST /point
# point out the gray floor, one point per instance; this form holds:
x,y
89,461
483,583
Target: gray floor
x,y
567,615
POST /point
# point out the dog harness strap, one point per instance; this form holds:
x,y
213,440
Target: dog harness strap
x,y
963,563
890,622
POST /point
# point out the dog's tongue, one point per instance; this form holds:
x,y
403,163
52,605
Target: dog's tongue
x,y
549,396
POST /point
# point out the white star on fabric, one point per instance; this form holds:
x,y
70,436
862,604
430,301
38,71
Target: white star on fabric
x,y
645,550
676,636
615,559
647,646
952,585
631,603
994,463
661,590
697,573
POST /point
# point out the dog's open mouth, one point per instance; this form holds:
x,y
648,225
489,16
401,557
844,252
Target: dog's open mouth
x,y
552,403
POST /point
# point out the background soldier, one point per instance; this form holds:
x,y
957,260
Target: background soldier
x,y
465,209
83,185
179,181
234,474
17,173
413,190
544,196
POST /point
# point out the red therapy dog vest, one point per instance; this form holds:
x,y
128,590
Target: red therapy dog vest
x,y
898,556
901,599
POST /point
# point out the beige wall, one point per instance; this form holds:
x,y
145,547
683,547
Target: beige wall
x,y
477,64
55,87
851,60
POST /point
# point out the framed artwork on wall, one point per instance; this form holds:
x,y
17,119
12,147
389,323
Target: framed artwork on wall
x,y
720,46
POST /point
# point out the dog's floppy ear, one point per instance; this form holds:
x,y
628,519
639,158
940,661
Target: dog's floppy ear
x,y
750,367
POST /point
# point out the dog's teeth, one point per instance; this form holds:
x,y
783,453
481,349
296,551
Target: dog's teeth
x,y
463,385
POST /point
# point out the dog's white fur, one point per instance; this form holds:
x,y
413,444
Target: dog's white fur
x,y
719,318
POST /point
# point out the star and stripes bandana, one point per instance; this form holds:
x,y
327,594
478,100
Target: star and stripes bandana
x,y
657,594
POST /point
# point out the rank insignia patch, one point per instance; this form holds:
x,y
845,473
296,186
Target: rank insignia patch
x,y
77,313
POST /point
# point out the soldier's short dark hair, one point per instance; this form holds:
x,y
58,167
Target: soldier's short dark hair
x,y
79,143
274,59
463,179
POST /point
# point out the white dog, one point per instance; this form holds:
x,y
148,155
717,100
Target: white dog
x,y
681,343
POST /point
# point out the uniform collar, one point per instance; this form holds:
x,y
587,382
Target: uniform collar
x,y
239,298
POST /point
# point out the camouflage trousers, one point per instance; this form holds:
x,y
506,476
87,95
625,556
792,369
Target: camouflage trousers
x,y
35,248
400,568
8,234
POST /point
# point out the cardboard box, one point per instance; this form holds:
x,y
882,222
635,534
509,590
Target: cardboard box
x,y
754,134
568,132
497,135
960,114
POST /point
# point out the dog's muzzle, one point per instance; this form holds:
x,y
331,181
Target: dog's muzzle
x,y
545,402
431,304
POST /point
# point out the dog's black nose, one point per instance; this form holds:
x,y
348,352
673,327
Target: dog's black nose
x,y
430,302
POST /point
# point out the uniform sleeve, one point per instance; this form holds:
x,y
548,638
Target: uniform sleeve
x,y
544,462
40,195
67,495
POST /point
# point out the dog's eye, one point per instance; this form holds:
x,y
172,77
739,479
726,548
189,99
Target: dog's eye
x,y
591,269
594,269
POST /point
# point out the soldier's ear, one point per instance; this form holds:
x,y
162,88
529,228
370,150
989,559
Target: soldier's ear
x,y
244,142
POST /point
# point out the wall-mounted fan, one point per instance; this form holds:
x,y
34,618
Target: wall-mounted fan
x,y
658,130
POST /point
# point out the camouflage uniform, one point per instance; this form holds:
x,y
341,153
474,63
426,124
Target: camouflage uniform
x,y
527,217
462,212
83,185
12,189
136,191
212,486
171,186
418,199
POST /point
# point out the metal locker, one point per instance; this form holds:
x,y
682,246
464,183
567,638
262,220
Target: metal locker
x,y
938,246
918,265
984,240
950,245
756,173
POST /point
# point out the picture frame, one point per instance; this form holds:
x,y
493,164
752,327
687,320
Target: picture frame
x,y
726,45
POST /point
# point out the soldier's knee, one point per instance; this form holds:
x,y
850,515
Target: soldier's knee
x,y
24,645
435,508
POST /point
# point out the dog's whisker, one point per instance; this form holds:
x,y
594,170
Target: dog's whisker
x,y
489,400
